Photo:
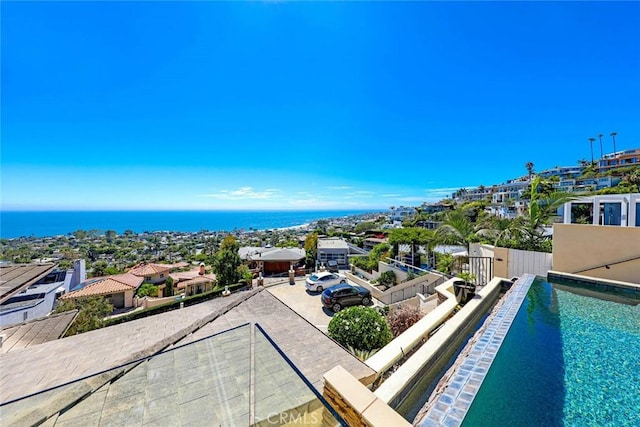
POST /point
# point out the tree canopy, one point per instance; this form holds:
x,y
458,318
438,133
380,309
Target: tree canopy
x,y
311,249
362,328
459,229
226,262
542,207
91,313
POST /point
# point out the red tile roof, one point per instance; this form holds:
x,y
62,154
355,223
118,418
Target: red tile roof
x,y
208,278
106,286
150,269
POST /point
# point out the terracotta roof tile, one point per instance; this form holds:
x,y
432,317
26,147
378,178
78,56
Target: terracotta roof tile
x,y
107,285
150,269
128,279
197,281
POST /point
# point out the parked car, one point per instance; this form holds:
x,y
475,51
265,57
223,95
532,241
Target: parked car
x,y
332,266
344,295
318,282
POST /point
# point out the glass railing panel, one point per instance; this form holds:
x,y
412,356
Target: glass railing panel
x,y
281,395
206,382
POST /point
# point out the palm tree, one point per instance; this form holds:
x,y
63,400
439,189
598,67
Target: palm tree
x,y
529,166
458,229
542,207
613,135
601,152
591,141
502,228
418,216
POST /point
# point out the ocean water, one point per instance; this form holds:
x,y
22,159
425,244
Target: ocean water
x,y
42,223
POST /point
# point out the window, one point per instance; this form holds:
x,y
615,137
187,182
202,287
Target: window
x,y
610,214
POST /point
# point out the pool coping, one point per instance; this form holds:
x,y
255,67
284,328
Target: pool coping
x,y
598,282
452,398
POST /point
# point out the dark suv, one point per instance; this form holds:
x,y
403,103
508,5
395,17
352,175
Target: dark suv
x,y
332,266
343,295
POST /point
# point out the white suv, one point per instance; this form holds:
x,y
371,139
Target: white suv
x,y
317,282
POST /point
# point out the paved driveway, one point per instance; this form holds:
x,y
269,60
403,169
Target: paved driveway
x,y
306,304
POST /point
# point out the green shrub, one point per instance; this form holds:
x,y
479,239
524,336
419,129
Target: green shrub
x,y
362,328
91,313
467,277
147,290
246,276
170,288
388,278
410,276
173,305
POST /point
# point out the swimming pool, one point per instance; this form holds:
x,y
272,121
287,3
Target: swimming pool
x,y
571,357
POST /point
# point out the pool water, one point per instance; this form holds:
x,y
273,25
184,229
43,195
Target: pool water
x,y
571,358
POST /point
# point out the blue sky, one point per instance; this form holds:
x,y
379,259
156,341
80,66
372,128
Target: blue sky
x,y
277,105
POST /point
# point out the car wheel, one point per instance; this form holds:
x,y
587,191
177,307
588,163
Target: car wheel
x,y
337,307
365,301
343,281
319,289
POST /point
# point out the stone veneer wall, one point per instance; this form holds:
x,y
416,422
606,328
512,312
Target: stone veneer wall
x,y
356,404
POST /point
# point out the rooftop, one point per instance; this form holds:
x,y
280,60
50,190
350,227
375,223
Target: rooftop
x,y
271,254
332,244
149,269
28,370
106,285
16,277
36,331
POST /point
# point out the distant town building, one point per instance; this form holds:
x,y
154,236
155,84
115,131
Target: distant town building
x,y
621,158
118,289
333,249
563,172
155,273
431,208
586,184
370,242
506,199
37,299
401,212
272,260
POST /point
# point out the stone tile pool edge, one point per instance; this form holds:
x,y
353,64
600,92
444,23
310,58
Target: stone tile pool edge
x,y
453,396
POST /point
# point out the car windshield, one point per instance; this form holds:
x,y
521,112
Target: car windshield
x,y
314,277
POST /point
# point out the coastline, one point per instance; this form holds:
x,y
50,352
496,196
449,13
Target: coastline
x,y
294,227
44,224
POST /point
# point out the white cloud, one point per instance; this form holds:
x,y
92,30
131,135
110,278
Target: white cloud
x,y
340,187
244,193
